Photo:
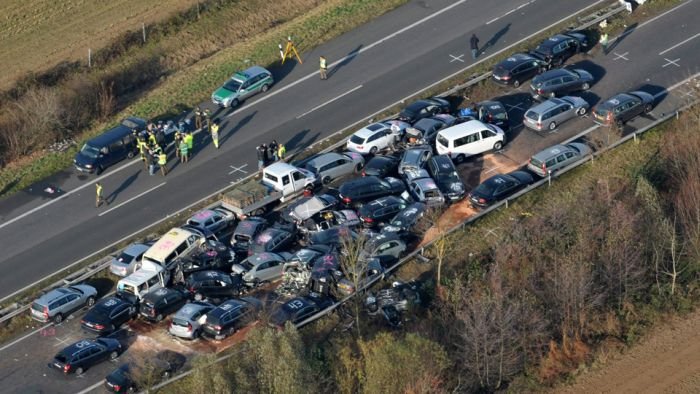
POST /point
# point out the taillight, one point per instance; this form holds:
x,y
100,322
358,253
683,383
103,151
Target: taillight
x,y
540,91
192,289
363,173
189,327
347,200
539,125
482,200
544,167
66,368
610,117
217,328
46,312
368,220
153,312
99,326
117,388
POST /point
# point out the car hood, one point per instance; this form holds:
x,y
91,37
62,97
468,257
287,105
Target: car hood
x,y
238,269
82,160
222,93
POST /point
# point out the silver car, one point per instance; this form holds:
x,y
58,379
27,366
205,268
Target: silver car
x,y
128,261
415,158
557,157
261,267
59,303
553,112
187,322
331,165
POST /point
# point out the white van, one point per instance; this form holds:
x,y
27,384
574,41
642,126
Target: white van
x,y
469,138
175,243
150,277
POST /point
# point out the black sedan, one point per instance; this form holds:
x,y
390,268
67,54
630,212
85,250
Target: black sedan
x,y
424,109
381,166
214,284
622,108
381,209
132,376
231,316
213,255
358,191
517,69
298,309
559,48
80,356
560,81
109,314
499,187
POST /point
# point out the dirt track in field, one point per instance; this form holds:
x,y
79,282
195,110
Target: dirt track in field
x,y
667,360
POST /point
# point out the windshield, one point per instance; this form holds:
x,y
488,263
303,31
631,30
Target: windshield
x,y
232,85
125,257
535,162
90,151
443,141
247,265
242,238
312,168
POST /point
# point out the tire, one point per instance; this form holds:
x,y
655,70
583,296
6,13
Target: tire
x,y
326,180
373,151
585,86
99,170
235,103
647,108
581,111
498,145
79,371
159,318
552,125
516,84
358,168
264,88
58,318
460,159
113,355
130,155
90,301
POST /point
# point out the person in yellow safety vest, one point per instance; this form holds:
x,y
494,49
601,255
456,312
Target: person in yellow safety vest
x,y
215,133
178,140
184,152
189,140
142,150
322,67
152,139
98,191
604,42
281,151
162,161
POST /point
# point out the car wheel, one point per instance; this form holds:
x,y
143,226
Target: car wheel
x,y
130,154
358,168
553,125
498,145
265,88
113,355
647,108
235,103
159,318
516,84
581,111
373,151
585,86
58,318
90,301
326,180
99,170
460,159
79,371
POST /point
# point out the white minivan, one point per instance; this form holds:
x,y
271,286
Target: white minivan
x,y
469,138
175,243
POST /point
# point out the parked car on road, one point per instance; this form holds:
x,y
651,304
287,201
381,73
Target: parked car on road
x,y
108,315
422,188
443,171
490,111
557,49
308,206
242,85
424,108
358,191
274,239
469,139
326,220
162,302
381,166
516,69
229,317
128,260
560,81
384,244
245,232
186,321
553,112
499,187
556,157
79,356
261,268
110,147
381,209
406,219
415,158
214,284
59,303
622,108
132,376
217,220
331,165
372,139
213,255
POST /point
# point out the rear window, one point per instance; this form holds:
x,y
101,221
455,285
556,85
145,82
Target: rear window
x,y
357,140
485,189
37,307
602,112
443,141
61,358
180,322
271,177
242,238
531,115
535,162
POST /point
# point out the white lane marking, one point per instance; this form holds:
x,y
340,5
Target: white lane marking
x,y
20,339
237,169
131,199
517,106
509,12
345,58
92,388
493,169
669,62
625,33
328,102
335,133
621,56
493,20
456,58
676,85
679,44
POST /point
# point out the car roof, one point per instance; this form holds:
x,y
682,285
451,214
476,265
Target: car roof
x,y
110,135
515,60
546,105
138,277
158,294
78,346
555,73
548,153
209,274
53,294
263,257
167,243
426,183
463,128
371,130
617,100
381,238
249,73
134,249
381,160
325,158
203,215
443,162
554,40
226,307
248,226
427,123
191,308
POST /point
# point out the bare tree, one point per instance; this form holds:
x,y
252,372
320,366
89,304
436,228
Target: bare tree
x,y
354,264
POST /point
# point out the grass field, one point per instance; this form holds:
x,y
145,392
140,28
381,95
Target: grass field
x,y
38,34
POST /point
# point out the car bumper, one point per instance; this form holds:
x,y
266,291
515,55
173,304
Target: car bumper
x,y
212,336
91,330
83,169
181,333
502,82
532,126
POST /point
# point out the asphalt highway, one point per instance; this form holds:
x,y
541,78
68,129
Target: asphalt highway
x,y
394,56
647,63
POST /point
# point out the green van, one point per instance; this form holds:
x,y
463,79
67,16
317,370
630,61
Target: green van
x,y
242,85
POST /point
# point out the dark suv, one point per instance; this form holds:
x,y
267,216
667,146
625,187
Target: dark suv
x,y
162,302
214,284
245,232
424,108
556,50
558,82
443,171
274,239
230,317
517,69
381,209
85,353
110,313
213,255
622,108
358,191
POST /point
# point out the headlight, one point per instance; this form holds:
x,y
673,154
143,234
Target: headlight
x,y
88,165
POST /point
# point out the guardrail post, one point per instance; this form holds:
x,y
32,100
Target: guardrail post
x,y
549,178
677,114
634,135
506,203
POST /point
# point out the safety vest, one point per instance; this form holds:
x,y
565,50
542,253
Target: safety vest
x,y
281,151
152,139
323,63
215,128
162,159
604,39
189,140
99,189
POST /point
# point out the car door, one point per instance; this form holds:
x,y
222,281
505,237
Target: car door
x,y
119,315
568,84
635,108
488,139
245,90
304,313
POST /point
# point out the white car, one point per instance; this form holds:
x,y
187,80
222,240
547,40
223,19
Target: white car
x,y
468,139
373,138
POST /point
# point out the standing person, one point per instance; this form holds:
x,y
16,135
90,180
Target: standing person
x,y
215,133
189,140
266,154
198,118
142,149
281,151
162,162
98,190
274,150
178,141
323,68
604,42
151,162
260,151
474,43
207,117
184,151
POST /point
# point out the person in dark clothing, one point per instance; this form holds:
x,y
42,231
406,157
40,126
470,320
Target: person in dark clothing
x,y
474,42
273,150
266,154
261,157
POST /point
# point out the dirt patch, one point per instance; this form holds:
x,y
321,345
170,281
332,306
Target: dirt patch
x,y
666,361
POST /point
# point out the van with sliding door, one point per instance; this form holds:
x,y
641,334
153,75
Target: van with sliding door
x,y
468,139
